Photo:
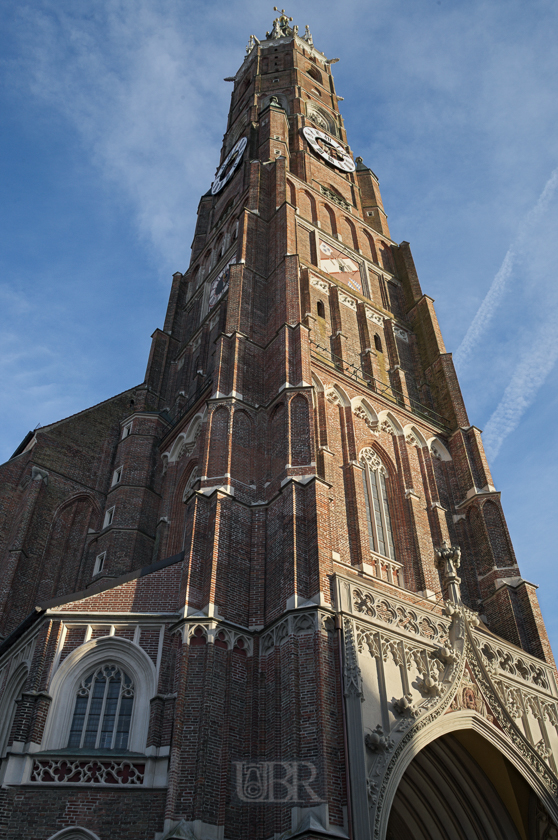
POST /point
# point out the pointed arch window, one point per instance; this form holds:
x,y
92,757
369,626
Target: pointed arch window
x,y
103,710
380,532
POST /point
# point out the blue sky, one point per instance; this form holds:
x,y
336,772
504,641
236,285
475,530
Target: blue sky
x,y
112,119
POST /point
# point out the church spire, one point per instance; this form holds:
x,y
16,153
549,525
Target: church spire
x,y
227,585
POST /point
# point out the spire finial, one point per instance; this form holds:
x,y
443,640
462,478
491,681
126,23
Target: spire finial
x,y
281,28
308,36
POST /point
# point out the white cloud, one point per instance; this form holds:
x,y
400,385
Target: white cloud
x,y
486,311
521,246
134,81
535,365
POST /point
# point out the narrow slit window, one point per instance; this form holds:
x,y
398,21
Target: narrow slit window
x,y
377,343
321,309
99,563
109,516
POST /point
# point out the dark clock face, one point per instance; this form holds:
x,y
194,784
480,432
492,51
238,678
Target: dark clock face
x,y
229,166
329,149
219,285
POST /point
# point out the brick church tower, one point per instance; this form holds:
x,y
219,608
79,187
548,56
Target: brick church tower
x,y
270,592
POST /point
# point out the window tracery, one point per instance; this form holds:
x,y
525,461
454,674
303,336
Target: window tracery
x,y
380,533
103,709
194,475
321,118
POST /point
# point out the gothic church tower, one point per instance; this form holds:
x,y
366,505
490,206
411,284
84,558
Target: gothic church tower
x,y
270,591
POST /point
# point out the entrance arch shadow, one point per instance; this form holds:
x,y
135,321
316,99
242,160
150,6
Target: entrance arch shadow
x,y
460,786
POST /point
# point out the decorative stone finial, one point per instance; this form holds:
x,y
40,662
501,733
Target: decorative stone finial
x,y
352,675
448,561
276,31
307,36
252,41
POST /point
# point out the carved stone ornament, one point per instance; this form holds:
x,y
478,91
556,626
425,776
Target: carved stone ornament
x,y
317,117
347,301
387,427
319,284
505,720
373,316
306,622
88,772
429,687
378,741
401,617
448,561
406,731
499,661
252,41
351,672
217,634
469,698
399,333
405,706
412,440
418,667
333,397
360,411
444,654
186,449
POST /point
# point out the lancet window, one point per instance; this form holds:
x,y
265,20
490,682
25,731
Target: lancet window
x,y
380,533
103,710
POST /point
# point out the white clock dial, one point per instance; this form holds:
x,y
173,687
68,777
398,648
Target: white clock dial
x,y
220,285
229,166
329,149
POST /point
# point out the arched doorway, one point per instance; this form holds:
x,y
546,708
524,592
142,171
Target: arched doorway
x,y
460,787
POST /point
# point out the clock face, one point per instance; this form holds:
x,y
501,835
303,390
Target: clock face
x,y
229,166
219,285
329,149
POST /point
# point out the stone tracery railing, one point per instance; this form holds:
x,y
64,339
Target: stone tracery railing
x,y
79,771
